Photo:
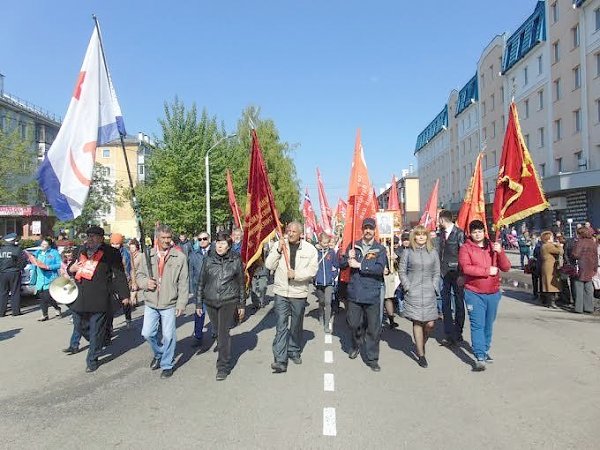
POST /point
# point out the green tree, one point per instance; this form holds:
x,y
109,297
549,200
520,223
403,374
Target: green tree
x,y
102,195
17,169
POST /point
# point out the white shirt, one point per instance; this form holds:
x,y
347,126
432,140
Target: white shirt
x,y
449,229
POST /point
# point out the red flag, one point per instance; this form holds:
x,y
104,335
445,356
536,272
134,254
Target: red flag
x,y
325,209
393,202
429,217
473,207
310,221
235,209
519,191
340,213
360,197
261,219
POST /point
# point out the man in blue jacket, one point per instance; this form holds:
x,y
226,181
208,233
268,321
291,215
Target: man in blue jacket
x,y
367,260
199,252
325,279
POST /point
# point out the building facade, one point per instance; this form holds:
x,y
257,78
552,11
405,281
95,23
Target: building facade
x,y
408,195
550,66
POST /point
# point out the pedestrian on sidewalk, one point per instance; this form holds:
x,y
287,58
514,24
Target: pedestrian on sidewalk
x,y
221,292
550,254
524,248
451,239
117,241
585,252
46,264
260,281
481,262
198,255
165,295
291,291
12,261
325,279
367,260
99,275
419,272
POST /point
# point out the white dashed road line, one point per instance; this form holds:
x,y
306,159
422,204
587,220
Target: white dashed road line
x,y
328,382
328,356
329,426
328,339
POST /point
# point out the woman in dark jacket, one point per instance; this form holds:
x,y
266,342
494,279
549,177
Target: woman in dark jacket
x,y
419,272
481,262
585,252
221,290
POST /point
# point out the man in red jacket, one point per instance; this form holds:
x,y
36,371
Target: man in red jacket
x,y
481,262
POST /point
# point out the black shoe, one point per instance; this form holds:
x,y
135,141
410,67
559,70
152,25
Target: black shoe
x,y
90,369
393,324
448,342
197,343
296,359
374,367
221,375
459,339
155,364
167,373
278,367
71,350
423,362
353,353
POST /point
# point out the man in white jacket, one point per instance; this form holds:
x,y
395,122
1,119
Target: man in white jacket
x,y
292,279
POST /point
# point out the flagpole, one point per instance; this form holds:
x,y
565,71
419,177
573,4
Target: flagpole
x,y
134,201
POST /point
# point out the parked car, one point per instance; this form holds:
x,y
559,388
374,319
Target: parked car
x,y
26,288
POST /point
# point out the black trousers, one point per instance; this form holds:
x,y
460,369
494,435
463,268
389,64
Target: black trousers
x,y
47,300
358,315
222,318
10,282
91,326
453,325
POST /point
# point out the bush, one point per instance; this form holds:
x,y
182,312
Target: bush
x,y
27,243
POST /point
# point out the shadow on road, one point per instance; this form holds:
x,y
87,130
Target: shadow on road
x,y
5,335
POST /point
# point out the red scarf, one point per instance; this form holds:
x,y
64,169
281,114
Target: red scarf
x,y
88,266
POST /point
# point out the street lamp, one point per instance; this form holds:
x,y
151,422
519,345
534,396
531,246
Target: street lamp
x,y
207,175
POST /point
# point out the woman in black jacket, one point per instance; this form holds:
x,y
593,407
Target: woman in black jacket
x,y
221,289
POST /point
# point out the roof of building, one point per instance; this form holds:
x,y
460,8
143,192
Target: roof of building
x,y
578,3
438,124
527,36
467,95
29,108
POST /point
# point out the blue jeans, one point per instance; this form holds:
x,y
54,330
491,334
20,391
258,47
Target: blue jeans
x,y
76,334
164,351
482,310
199,323
288,341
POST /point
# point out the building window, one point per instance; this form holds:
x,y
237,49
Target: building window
x,y
540,63
557,130
542,170
577,77
598,110
577,120
525,76
502,94
554,12
23,130
483,108
526,107
597,18
484,131
141,169
540,100
579,160
541,137
556,86
493,129
502,122
597,56
493,102
575,35
493,157
482,81
526,139
555,52
559,165
106,171
106,152
492,72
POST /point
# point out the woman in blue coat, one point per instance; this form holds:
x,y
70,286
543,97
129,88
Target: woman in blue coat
x,y
47,262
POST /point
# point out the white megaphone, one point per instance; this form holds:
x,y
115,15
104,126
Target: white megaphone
x,y
63,290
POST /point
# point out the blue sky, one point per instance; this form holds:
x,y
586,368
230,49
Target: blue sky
x,y
319,69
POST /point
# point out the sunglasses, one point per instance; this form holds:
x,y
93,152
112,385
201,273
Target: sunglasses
x,y
203,239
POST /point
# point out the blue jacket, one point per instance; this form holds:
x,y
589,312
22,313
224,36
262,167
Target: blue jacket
x,y
366,283
328,267
43,277
195,262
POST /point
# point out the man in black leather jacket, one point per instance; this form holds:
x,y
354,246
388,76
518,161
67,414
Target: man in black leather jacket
x,y
450,240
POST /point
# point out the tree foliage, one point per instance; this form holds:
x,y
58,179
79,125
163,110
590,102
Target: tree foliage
x,y
175,192
17,169
102,195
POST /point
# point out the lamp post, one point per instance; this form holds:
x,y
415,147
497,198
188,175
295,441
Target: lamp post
x,y
207,175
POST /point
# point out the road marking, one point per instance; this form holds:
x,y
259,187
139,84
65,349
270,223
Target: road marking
x,y
328,339
328,356
329,428
328,382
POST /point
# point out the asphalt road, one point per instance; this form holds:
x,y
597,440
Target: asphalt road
x,y
542,391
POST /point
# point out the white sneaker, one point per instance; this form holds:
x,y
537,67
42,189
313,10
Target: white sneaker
x,y
479,366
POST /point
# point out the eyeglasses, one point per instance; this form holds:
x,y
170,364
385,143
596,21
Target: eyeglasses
x,y
203,239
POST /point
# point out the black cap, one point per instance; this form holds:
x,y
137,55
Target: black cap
x,y
95,229
368,222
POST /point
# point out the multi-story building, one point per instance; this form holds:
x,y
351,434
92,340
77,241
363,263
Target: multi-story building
x,y
408,194
550,66
40,128
120,218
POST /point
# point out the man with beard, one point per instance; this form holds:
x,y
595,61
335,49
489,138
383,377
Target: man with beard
x,y
99,275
